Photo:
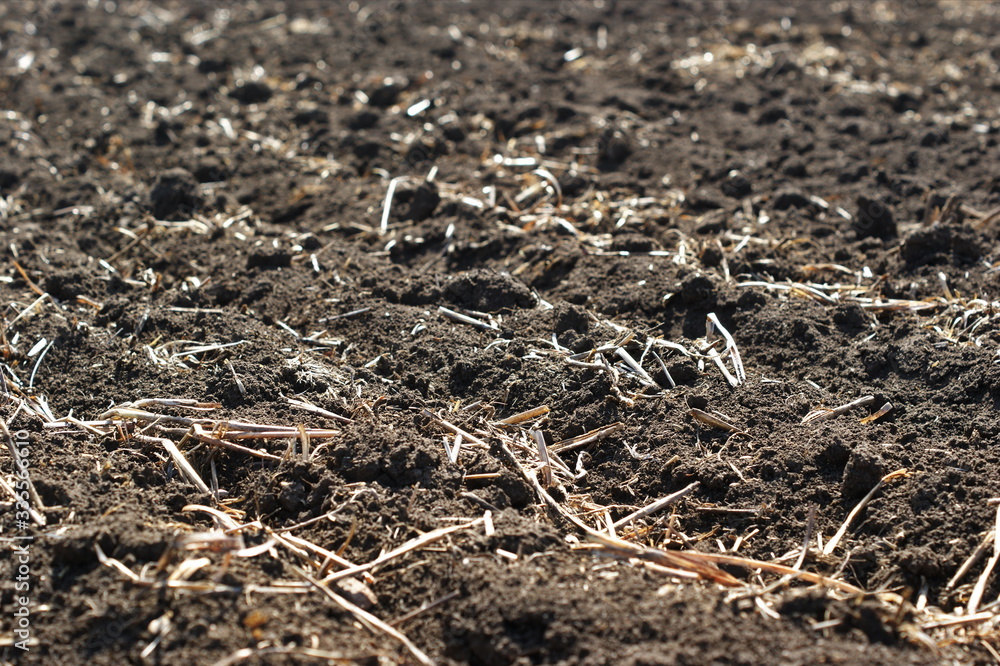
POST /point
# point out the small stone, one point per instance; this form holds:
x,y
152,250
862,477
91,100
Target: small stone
x,y
385,95
569,317
771,115
614,147
796,168
790,199
933,138
251,92
874,219
291,496
175,195
211,169
362,120
8,179
703,200
711,256
357,593
865,468
424,202
713,222
697,290
736,185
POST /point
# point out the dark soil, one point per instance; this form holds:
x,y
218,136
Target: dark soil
x,y
175,172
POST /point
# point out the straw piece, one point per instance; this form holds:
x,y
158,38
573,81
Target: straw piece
x,y
653,507
384,224
832,543
714,421
543,454
201,435
182,463
37,506
980,588
632,363
525,416
823,413
586,438
712,323
463,319
976,555
373,623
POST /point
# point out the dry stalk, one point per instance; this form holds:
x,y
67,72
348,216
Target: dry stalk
x,y
38,518
27,311
800,560
182,463
31,283
384,224
192,586
299,546
543,455
632,363
257,654
976,555
198,433
454,428
367,619
222,434
464,319
525,416
715,422
685,560
37,506
663,368
980,587
954,621
796,288
831,545
653,507
311,433
184,403
453,449
586,439
883,410
823,413
227,428
781,569
416,612
309,407
411,545
711,324
223,519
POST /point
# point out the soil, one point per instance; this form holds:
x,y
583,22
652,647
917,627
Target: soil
x,y
175,172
